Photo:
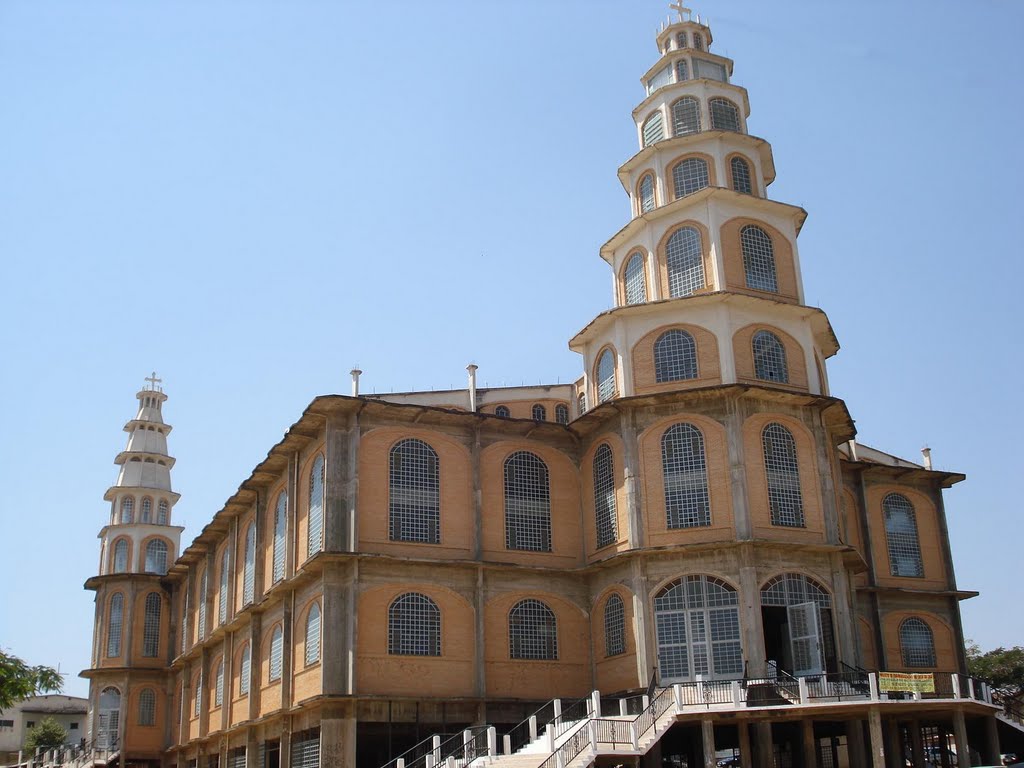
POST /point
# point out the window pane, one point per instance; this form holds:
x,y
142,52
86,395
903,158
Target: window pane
x,y
606,377
689,176
741,179
724,115
414,504
614,627
532,631
901,535
685,261
314,540
685,116
675,357
527,503
769,358
280,525
917,644
758,259
606,517
783,474
636,280
687,503
414,626
654,129
647,194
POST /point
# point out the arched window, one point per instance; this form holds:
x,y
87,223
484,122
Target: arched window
x,y
917,643
527,503
151,626
675,356
685,115
127,509
539,413
147,511
793,589
315,538
162,512
280,528
769,358
313,635
249,566
684,258
687,503
204,584
115,620
698,627
811,647
147,707
605,376
532,631
581,402
647,193
654,129
783,473
222,593
682,71
689,176
198,701
724,115
502,412
606,516
741,176
758,259
901,535
614,627
414,502
244,671
636,280
109,718
562,414
276,654
681,40
698,41
218,690
156,557
414,626
121,556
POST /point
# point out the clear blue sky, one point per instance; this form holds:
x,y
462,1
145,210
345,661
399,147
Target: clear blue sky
x,y
249,197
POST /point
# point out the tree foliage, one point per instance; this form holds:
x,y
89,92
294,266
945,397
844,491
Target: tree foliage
x,y
1002,668
47,734
19,681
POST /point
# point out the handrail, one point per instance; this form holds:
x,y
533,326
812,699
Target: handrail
x,y
454,745
522,728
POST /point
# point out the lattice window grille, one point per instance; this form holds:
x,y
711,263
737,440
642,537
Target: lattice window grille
x,y
581,402
687,502
606,516
690,614
414,626
146,515
502,412
783,472
115,621
901,535
654,129
614,626
532,631
681,40
647,194
741,178
636,280
682,71
198,701
203,585
280,533
222,593
315,536
724,115
156,557
689,176
127,509
162,513
236,758
539,413
185,613
306,749
698,41
710,70
685,116
917,644
527,503
218,693
685,262
606,376
249,566
758,259
794,589
276,654
244,671
147,707
120,556
675,357
562,414
313,635
151,626
769,358
414,503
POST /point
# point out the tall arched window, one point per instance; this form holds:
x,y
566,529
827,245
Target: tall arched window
x,y
682,71
127,509
244,671
654,129
146,515
742,180
698,627
562,414
917,643
687,502
218,685
414,501
532,631
724,115
681,40
685,115
276,654
120,556
249,566
689,176
222,592
769,357
147,707
315,538
198,700
204,585
605,376
684,258
151,626
527,503
581,402
614,626
647,193
698,41
901,535
783,473
675,356
502,412
758,259
313,634
539,413
115,621
162,512
280,531
109,718
156,557
636,280
414,626
606,516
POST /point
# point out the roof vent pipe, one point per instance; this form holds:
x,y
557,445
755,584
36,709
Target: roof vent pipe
x,y
471,370
355,381
852,445
926,454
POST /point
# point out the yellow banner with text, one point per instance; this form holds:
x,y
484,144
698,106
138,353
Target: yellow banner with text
x,y
904,681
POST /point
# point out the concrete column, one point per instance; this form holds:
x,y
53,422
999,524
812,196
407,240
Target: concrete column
x,y
259,518
287,650
255,651
642,624
478,494
128,632
992,749
333,650
286,743
877,743
855,743
809,743
252,749
765,753
341,483
963,749
479,650
746,758
917,743
737,468
630,467
338,741
751,625
707,732
292,517
893,744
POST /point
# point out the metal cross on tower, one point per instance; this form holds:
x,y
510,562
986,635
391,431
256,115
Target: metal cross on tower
x,y
153,381
679,8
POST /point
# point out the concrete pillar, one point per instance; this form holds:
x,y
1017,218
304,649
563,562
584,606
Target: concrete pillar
x,y
992,749
916,742
252,749
707,732
340,482
333,649
751,624
855,743
963,749
893,744
809,743
746,758
877,743
765,756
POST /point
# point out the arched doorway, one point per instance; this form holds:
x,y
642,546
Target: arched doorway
x,y
796,612
109,718
697,621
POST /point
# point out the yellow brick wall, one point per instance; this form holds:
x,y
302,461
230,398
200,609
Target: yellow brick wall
x,y
942,632
139,624
928,534
614,673
644,375
743,349
523,409
149,738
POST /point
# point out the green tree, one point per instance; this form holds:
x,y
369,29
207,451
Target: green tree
x,y
48,734
19,681
1002,668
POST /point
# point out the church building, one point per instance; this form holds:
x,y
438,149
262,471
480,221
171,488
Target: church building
x,y
683,553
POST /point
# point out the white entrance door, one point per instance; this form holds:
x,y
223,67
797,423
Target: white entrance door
x,y
805,639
